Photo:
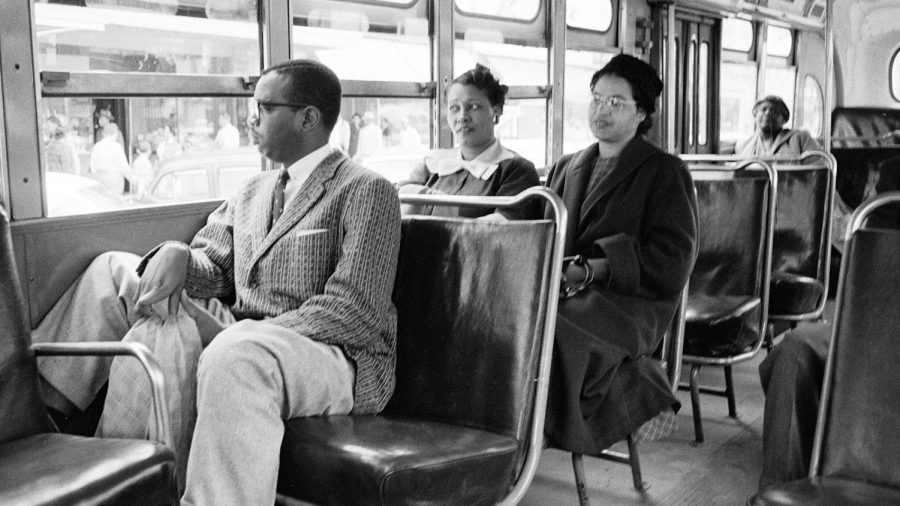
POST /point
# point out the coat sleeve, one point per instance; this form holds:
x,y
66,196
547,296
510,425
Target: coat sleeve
x,y
356,301
518,175
659,260
210,272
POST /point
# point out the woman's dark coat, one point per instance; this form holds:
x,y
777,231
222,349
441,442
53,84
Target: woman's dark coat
x,y
642,217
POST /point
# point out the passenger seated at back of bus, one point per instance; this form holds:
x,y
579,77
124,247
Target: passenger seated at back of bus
x,y
480,165
769,135
633,216
287,287
771,138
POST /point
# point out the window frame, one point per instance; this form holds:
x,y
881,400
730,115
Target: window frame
x,y
894,75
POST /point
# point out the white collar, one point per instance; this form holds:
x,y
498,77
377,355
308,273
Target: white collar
x,y
448,161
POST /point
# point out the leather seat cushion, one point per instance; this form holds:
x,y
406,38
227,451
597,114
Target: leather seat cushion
x,y
793,294
65,469
720,325
392,460
827,491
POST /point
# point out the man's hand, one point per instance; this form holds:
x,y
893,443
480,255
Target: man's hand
x,y
163,278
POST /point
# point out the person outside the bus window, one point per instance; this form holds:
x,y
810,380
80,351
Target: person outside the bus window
x,y
355,125
286,290
228,136
633,219
60,152
370,138
480,165
109,165
142,166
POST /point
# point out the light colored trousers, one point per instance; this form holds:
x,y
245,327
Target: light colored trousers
x,y
250,378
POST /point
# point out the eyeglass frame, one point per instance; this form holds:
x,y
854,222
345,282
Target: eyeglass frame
x,y
261,103
614,103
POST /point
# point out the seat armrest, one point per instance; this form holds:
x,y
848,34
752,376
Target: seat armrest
x,y
136,350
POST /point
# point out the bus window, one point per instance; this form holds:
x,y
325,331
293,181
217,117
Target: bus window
x,y
126,143
512,64
150,37
703,94
895,75
813,106
781,81
595,15
737,35
389,136
524,10
580,67
737,95
522,128
779,41
365,42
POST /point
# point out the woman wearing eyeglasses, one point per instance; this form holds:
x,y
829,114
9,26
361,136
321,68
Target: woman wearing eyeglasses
x,y
633,221
480,165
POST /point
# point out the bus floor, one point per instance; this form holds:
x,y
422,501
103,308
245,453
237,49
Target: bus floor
x,y
723,470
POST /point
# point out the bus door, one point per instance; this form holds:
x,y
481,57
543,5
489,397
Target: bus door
x,y
696,124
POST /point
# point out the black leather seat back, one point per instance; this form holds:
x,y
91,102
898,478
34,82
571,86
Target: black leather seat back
x,y
732,227
469,296
862,412
858,145
22,410
798,244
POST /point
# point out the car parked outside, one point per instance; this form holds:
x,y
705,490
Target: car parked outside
x,y
68,194
202,175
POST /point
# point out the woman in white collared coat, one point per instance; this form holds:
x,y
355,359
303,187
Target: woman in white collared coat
x,y
480,165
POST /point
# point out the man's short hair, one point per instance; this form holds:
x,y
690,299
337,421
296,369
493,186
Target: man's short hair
x,y
777,103
314,84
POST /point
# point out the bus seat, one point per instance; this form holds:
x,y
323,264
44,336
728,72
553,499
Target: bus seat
x,y
476,311
859,145
856,452
39,466
726,313
801,243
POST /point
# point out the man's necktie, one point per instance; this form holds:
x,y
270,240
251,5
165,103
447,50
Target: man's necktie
x,y
278,197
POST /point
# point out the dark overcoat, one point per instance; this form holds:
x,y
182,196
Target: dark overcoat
x,y
642,217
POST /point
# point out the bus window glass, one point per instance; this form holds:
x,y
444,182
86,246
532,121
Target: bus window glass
x,y
3,195
512,64
703,94
593,15
689,92
780,81
209,37
779,41
387,44
895,76
813,107
388,135
737,94
523,10
580,67
131,147
522,128
737,35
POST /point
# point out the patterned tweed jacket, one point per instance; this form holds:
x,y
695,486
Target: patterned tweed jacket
x,y
325,269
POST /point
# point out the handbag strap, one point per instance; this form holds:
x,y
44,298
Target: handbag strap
x,y
570,290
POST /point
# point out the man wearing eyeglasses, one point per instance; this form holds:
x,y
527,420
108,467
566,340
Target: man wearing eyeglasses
x,y
286,290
